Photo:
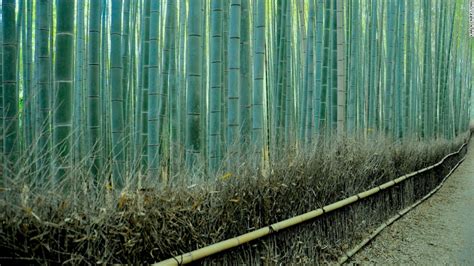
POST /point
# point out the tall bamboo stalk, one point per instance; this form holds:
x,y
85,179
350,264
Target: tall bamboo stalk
x,y
116,88
10,93
193,84
341,68
145,82
306,119
78,120
63,95
154,98
245,92
215,89
233,85
2,120
94,86
28,93
318,101
43,61
259,81
323,120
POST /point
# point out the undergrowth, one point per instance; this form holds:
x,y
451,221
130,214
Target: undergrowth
x,y
76,222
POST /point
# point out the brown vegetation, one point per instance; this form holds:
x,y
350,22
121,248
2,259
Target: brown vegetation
x,y
82,225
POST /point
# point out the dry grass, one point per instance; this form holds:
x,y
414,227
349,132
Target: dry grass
x,y
74,222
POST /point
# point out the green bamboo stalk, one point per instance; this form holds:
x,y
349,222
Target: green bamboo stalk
x,y
388,96
127,91
245,90
193,129
2,119
215,84
173,88
63,102
300,70
303,72
28,94
94,85
270,76
10,94
183,22
43,61
145,82
286,98
154,94
319,64
204,80
361,73
306,119
116,88
447,97
372,101
163,124
333,68
138,123
415,94
52,44
325,68
380,68
21,74
354,66
341,68
134,91
78,84
400,86
259,81
105,84
427,73
234,72
279,95
437,60
409,77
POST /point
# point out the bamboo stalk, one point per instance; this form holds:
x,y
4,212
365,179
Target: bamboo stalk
x,y
63,97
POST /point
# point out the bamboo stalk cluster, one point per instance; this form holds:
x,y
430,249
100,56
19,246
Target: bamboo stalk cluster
x,y
151,87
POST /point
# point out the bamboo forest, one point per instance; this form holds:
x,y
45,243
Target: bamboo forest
x,y
136,131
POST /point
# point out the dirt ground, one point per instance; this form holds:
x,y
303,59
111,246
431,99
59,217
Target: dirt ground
x,y
440,231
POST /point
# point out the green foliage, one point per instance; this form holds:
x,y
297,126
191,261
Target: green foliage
x,y
150,87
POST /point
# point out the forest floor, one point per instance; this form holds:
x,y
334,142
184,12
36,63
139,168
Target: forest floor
x,y
440,231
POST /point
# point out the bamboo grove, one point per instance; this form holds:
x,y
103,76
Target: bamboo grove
x,y
149,87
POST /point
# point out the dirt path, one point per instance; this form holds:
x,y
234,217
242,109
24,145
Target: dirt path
x,y
438,232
